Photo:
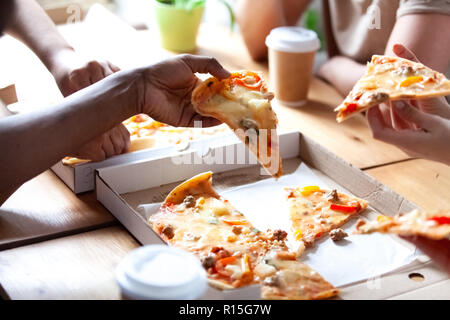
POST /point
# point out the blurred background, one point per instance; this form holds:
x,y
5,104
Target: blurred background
x,y
139,13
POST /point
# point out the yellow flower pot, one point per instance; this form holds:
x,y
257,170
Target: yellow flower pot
x,y
178,27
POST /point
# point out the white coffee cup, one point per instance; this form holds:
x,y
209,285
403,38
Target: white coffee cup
x,y
160,272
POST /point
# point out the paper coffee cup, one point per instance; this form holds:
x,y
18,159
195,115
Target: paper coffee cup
x,y
160,272
291,61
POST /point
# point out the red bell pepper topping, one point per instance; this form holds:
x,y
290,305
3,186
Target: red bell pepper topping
x,y
238,78
345,209
351,107
441,220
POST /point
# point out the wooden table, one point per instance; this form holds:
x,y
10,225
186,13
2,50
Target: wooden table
x,y
56,245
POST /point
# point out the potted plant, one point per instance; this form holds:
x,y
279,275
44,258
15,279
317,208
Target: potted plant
x,y
179,20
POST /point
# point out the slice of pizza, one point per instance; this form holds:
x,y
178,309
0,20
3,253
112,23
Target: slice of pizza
x,y
435,226
234,253
147,133
392,78
294,281
315,212
243,103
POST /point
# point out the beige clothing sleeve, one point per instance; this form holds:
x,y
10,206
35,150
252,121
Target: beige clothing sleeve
x,y
423,6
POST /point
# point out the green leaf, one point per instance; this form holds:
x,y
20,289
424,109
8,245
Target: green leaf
x,y
192,4
230,11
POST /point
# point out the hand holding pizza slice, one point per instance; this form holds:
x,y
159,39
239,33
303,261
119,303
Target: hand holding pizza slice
x,y
243,103
392,78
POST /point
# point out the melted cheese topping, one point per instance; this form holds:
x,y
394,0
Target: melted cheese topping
x,y
388,78
311,215
416,222
209,224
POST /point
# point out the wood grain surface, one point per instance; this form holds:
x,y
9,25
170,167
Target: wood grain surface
x,y
44,207
75,267
423,182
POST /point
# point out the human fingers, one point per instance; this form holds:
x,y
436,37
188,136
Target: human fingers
x,y
437,106
202,64
95,71
403,52
397,122
108,145
119,136
414,115
403,139
126,138
79,79
112,67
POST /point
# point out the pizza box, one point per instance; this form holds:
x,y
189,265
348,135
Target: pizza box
x,y
80,178
122,188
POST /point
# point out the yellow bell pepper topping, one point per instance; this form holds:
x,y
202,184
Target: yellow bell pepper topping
x,y
306,191
298,234
382,218
410,80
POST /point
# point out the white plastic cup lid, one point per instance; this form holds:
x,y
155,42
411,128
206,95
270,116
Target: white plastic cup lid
x,y
161,272
293,39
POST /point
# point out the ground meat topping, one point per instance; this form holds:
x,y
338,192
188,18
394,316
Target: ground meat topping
x,y
404,71
338,234
168,231
208,261
189,201
308,242
220,252
237,229
332,195
379,97
279,235
272,281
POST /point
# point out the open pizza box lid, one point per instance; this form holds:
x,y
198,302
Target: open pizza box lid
x,y
80,178
134,190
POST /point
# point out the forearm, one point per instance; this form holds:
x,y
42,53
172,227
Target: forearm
x,y
30,24
342,73
257,17
31,143
430,40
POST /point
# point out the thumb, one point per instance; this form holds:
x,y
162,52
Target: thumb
x,y
403,52
414,115
436,106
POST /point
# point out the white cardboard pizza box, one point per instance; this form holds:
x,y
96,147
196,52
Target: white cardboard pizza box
x,y
80,178
121,188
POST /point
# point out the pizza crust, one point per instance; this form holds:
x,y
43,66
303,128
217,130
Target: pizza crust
x,y
199,184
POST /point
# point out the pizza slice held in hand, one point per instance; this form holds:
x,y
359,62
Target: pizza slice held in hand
x,y
315,212
435,226
243,103
234,253
392,78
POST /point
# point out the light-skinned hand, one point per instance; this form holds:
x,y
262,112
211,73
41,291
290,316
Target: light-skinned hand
x,y
421,128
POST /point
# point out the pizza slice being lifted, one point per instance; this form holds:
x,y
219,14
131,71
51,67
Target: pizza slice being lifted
x,y
243,103
315,212
392,78
234,253
435,226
